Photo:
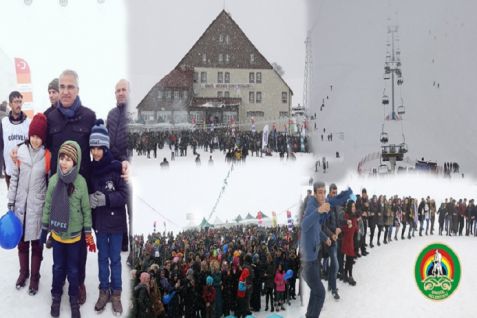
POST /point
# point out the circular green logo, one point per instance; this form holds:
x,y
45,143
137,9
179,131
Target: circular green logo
x,y
437,271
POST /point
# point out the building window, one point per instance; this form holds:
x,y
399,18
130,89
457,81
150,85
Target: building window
x,y
251,77
284,97
226,94
168,94
204,58
161,95
258,77
176,94
255,114
227,59
220,94
258,97
251,97
203,77
186,94
227,39
220,77
252,58
227,77
196,77
221,38
221,58
283,114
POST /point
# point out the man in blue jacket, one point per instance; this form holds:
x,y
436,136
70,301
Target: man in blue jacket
x,y
310,241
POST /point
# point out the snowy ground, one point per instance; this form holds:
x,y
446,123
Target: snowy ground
x,y
385,278
185,190
386,286
17,303
349,47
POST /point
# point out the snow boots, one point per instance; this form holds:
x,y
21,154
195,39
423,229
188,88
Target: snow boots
x,y
82,294
74,304
23,256
36,258
116,301
55,305
35,274
103,299
335,294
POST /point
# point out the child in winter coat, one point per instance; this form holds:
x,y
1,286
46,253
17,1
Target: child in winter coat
x,y
108,201
347,247
26,197
208,295
66,214
279,287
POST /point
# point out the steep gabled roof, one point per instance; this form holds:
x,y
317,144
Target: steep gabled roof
x,y
238,49
178,78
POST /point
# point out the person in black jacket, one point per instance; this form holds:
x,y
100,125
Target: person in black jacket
x,y
70,120
332,230
108,201
118,133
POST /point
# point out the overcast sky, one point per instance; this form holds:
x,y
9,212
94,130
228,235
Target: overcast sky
x,y
162,32
85,36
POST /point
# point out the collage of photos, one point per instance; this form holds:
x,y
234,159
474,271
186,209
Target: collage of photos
x,y
238,159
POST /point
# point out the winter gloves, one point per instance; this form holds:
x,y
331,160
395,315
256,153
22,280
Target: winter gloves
x,y
43,236
90,242
97,199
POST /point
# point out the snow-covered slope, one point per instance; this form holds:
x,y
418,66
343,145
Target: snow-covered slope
x,y
437,45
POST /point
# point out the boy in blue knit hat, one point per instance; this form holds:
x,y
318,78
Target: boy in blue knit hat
x,y
108,201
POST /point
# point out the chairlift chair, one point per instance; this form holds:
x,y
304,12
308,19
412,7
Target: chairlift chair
x,y
403,148
383,169
384,137
401,110
385,99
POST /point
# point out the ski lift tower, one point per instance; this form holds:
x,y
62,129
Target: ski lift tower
x,y
308,68
392,152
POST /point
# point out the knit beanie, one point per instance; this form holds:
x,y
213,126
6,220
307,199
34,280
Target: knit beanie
x,y
99,135
54,85
70,151
209,280
38,127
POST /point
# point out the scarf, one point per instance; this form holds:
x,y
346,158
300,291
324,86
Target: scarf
x,y
18,120
60,206
70,112
106,164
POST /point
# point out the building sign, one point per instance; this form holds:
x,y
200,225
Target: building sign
x,y
227,86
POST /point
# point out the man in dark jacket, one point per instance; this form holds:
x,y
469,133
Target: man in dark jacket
x,y
310,241
332,231
118,133
70,120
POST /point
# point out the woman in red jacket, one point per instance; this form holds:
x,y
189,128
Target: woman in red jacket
x,y
347,247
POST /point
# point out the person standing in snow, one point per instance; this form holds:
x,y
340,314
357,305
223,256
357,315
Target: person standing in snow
x,y
108,201
26,197
310,242
67,215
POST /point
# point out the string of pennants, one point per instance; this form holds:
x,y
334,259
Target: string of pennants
x,y
224,186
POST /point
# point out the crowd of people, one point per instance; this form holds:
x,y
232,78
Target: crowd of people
x,y
198,273
66,174
236,146
215,272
